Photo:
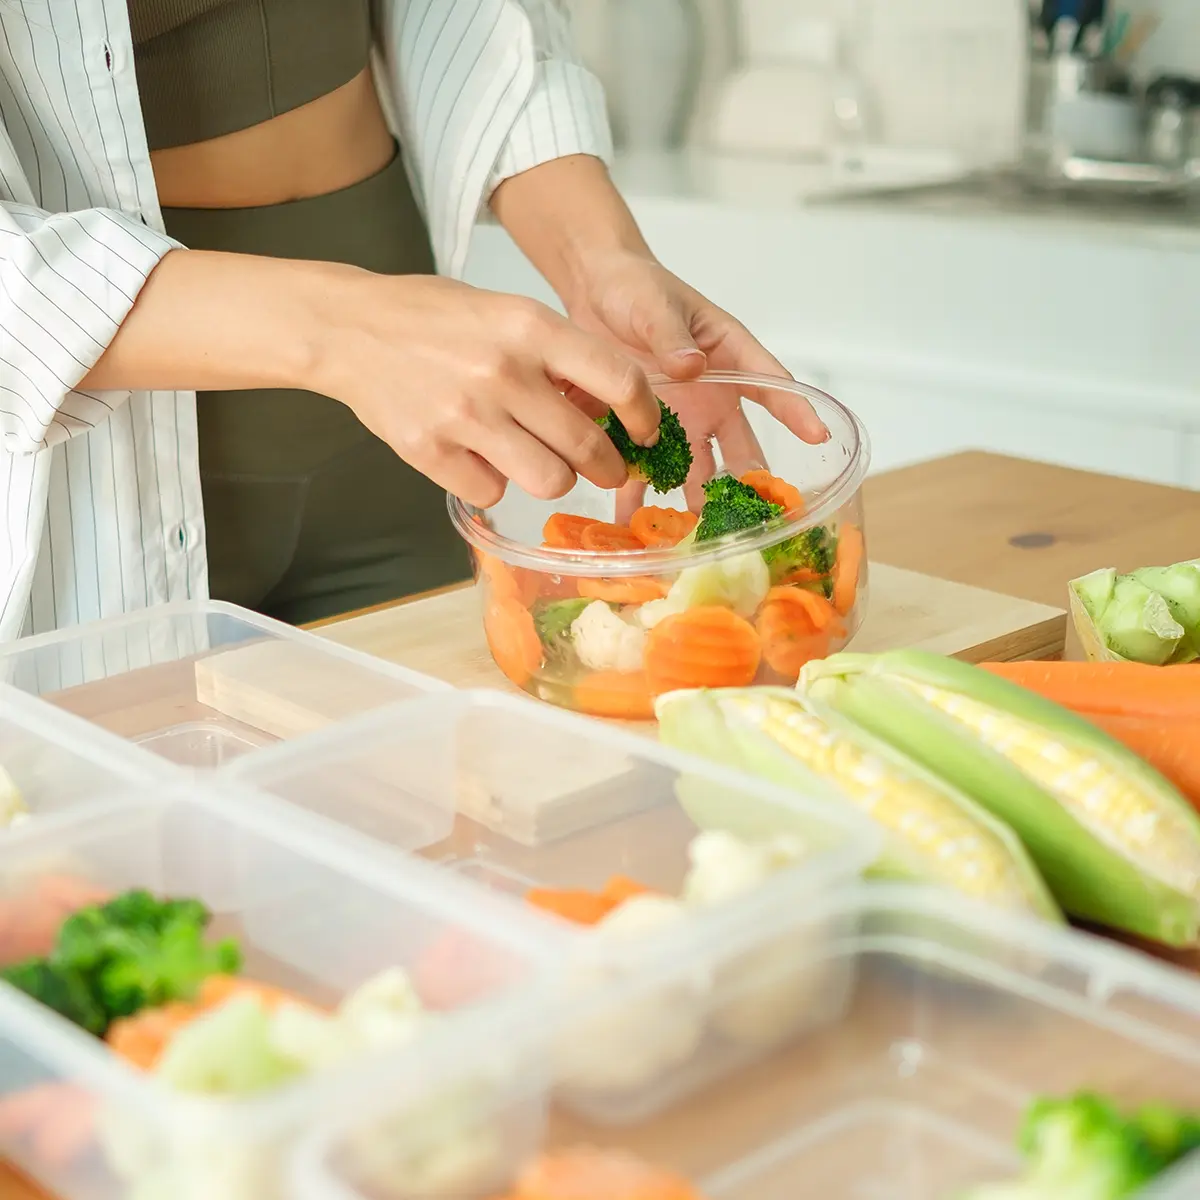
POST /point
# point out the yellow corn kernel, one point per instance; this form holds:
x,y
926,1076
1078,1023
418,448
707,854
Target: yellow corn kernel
x,y
1097,794
960,851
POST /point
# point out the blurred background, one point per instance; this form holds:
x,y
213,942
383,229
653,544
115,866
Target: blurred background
x,y
975,221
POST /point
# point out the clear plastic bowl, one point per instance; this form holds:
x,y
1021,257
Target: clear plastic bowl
x,y
508,796
960,1016
310,916
201,683
781,617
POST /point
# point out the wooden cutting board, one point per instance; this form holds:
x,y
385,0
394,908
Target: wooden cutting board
x,y
442,636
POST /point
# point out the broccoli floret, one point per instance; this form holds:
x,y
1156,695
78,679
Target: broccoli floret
x,y
731,506
553,620
64,990
1080,1148
665,465
136,950
812,550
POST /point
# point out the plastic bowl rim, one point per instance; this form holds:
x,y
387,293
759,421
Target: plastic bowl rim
x,y
598,564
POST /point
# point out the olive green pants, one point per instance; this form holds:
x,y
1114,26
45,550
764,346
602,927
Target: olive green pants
x,y
308,514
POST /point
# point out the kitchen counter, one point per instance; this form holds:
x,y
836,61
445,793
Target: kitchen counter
x,y
1004,524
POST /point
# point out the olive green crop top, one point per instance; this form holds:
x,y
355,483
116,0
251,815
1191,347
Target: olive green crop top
x,y
211,67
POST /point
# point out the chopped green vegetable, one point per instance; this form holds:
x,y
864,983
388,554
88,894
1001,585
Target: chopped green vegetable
x,y
665,465
731,506
553,619
63,989
133,951
1179,586
1151,616
1083,1148
813,550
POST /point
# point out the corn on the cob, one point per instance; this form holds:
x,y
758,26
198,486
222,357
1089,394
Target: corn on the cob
x,y
1115,841
933,833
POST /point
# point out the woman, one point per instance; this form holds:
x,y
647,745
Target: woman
x,y
342,384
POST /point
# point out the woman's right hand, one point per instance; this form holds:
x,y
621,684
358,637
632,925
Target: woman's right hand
x,y
467,385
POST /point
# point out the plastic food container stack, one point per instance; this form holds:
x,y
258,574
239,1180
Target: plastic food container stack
x,y
774,596
201,683
513,798
960,1016
310,918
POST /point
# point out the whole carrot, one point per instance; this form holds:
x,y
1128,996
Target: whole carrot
x,y
1118,689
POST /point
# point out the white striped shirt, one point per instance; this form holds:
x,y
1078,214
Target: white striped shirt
x,y
100,501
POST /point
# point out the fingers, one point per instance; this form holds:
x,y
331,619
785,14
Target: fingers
x,y
605,373
740,447
669,339
573,438
467,476
704,467
629,499
743,352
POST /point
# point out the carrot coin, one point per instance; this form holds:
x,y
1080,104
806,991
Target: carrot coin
x,y
571,904
661,527
619,695
702,647
640,590
513,639
564,531
796,626
587,1174
775,491
610,539
847,567
506,582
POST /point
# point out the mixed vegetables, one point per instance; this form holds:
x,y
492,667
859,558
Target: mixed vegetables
x,y
608,646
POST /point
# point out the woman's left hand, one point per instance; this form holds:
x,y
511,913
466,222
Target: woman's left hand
x,y
670,328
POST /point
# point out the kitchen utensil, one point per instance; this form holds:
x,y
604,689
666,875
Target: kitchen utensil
x,y
1170,101
1139,33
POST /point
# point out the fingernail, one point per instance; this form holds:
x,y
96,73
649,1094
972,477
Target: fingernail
x,y
652,440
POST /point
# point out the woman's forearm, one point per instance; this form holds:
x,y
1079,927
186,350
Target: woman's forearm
x,y
563,215
218,321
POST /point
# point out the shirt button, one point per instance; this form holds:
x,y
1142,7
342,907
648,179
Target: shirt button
x,y
181,538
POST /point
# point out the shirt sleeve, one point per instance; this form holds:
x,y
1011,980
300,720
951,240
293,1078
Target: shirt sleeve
x,y
565,112
67,281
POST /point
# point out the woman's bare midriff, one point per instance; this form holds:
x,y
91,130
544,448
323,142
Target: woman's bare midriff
x,y
324,146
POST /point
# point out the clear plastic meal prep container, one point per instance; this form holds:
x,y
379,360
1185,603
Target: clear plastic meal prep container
x,y
777,617
310,915
52,764
202,682
506,795
959,1016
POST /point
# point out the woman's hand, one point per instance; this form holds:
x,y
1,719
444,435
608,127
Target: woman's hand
x,y
467,386
672,329
573,224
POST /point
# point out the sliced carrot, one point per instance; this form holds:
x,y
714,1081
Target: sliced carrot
x,y
1115,688
564,531
619,695
508,583
702,647
610,539
804,577
639,590
1172,748
513,639
796,626
847,567
775,491
588,1174
142,1038
216,989
571,904
662,526
621,888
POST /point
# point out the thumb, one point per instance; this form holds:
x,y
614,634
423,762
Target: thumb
x,y
670,341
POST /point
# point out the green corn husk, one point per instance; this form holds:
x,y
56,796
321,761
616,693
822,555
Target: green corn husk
x,y
1116,842
934,833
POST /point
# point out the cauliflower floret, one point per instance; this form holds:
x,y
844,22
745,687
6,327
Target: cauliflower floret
x,y
13,809
724,866
740,582
635,1044
605,641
